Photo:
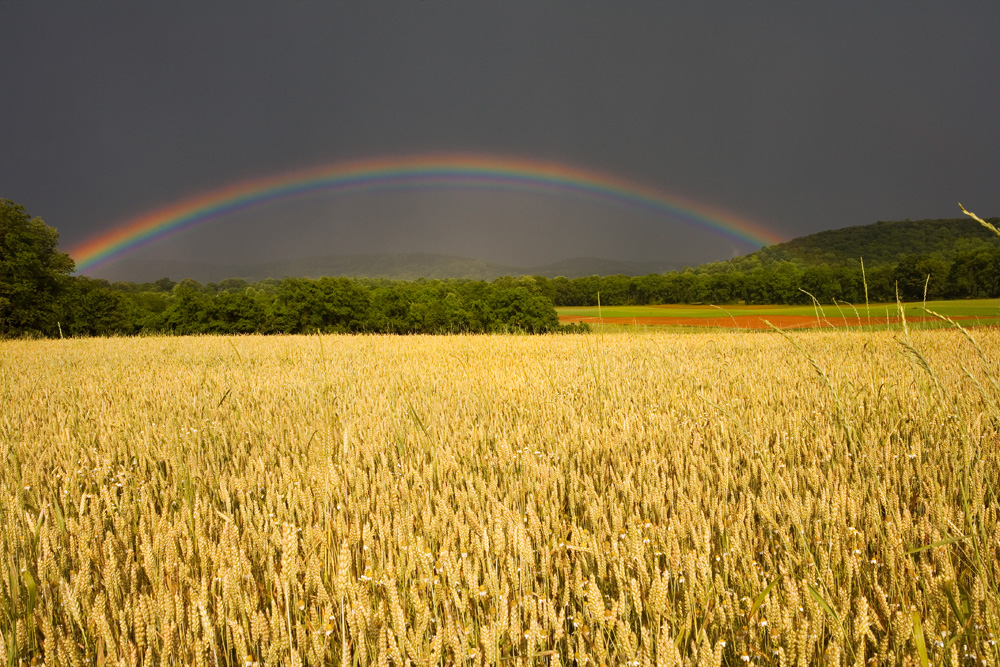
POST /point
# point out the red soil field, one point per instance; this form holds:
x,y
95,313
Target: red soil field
x,y
749,321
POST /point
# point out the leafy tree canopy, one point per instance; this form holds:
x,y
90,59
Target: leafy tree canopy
x,y
878,244
33,273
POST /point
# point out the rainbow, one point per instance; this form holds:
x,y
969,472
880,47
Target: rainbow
x,y
403,173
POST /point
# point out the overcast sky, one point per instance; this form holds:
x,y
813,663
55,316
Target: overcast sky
x,y
799,116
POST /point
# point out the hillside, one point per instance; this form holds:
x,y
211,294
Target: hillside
x,y
877,244
408,266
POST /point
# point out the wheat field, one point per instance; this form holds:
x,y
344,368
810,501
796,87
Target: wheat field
x,y
650,499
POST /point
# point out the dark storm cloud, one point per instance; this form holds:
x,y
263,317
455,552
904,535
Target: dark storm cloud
x,y
801,116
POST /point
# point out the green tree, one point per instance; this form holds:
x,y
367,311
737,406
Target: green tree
x,y
975,273
33,272
915,273
164,285
188,309
238,312
91,308
519,309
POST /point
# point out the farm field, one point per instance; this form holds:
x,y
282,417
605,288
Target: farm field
x,y
969,311
717,498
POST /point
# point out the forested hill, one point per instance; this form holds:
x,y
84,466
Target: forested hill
x,y
877,244
401,266
912,261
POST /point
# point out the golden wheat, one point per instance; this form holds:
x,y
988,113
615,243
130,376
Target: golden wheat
x,y
656,499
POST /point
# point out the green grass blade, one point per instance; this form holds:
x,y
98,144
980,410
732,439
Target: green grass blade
x,y
823,603
416,420
32,588
939,543
918,638
760,598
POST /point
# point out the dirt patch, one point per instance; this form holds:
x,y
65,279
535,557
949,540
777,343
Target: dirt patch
x,y
749,321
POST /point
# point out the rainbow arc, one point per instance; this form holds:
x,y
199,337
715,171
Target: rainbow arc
x,y
447,171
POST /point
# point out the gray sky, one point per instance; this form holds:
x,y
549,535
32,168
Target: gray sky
x,y
800,116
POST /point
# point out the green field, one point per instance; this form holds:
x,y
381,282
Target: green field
x,y
988,309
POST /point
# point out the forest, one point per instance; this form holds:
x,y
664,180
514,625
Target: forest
x,y
39,296
298,305
971,274
301,305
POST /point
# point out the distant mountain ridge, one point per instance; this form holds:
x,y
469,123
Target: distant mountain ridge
x,y
879,243
405,266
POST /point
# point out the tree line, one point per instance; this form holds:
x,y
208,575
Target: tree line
x,y
971,274
38,296
302,305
